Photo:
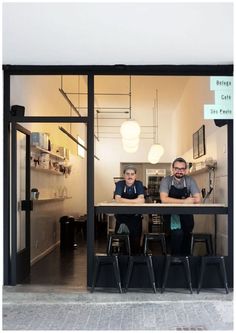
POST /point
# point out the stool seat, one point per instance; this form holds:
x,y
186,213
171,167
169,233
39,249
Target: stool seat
x,y
177,260
154,237
101,259
202,238
147,260
118,242
218,260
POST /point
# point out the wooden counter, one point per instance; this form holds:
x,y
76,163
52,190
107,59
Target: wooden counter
x,y
157,208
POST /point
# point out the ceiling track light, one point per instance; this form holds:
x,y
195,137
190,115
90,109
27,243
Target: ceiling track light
x,y
130,130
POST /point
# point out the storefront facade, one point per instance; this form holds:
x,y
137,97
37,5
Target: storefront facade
x,y
16,263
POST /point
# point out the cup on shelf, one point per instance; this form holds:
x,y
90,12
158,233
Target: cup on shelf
x,y
34,194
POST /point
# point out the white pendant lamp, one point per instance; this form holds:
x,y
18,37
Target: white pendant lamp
x,y
155,153
130,149
130,146
156,150
130,129
130,142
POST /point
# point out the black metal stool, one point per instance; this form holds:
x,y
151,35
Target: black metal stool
x,y
217,260
177,260
147,260
118,242
202,238
157,237
101,259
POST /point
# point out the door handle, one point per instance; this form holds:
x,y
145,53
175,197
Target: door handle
x,y
27,205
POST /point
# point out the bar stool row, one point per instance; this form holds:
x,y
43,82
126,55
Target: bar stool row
x,y
160,238
112,258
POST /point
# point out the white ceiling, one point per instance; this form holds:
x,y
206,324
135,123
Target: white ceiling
x,y
113,33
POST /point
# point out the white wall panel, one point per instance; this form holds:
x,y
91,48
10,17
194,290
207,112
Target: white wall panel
x,y
111,33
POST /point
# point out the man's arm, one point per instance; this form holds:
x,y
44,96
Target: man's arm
x,y
139,199
190,200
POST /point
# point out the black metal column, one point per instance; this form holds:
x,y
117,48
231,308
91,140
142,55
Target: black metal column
x,y
230,200
13,204
6,180
90,180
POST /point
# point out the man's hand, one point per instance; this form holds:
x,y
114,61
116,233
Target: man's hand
x,y
190,200
139,199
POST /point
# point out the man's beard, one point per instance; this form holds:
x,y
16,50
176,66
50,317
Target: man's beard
x,y
179,175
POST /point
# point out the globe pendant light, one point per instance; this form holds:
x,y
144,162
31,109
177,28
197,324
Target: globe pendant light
x,y
130,146
130,149
156,150
130,129
155,153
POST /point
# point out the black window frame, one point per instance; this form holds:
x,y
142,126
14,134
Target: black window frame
x,y
91,71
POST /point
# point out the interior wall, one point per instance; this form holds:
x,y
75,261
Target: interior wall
x,y
216,148
40,96
189,114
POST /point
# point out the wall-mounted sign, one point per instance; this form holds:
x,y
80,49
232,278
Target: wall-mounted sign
x,y
212,111
221,83
224,98
223,107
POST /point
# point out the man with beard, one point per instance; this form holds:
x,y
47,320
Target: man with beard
x,y
130,191
179,189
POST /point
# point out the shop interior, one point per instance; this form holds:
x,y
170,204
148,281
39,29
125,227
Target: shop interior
x,y
169,110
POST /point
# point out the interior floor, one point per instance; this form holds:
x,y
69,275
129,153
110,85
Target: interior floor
x,y
61,268
68,268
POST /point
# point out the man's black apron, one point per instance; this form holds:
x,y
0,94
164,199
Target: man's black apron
x,y
180,238
132,221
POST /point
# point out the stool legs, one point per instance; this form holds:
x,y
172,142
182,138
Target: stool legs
x,y
214,260
188,274
210,246
179,260
117,273
151,273
144,260
120,238
202,238
202,270
156,238
107,260
223,271
129,272
166,271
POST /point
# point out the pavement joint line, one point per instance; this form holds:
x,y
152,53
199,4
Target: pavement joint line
x,y
114,302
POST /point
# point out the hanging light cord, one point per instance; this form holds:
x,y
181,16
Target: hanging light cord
x,y
130,97
157,116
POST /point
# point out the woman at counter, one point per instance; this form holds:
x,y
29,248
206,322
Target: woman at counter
x,y
179,188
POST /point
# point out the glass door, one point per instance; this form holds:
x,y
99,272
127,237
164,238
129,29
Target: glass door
x,y
21,204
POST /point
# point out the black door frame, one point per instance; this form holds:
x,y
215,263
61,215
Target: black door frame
x,y
91,71
20,260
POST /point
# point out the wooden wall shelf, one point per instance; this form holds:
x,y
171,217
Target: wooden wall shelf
x,y
39,149
50,199
53,172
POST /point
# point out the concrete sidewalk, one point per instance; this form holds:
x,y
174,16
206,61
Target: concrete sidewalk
x,y
52,308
